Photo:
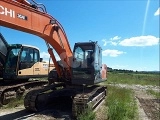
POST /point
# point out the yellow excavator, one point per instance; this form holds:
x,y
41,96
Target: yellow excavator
x,y
19,63
22,61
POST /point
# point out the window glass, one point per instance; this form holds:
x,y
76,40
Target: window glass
x,y
36,55
88,53
79,54
31,55
100,57
27,55
12,57
96,55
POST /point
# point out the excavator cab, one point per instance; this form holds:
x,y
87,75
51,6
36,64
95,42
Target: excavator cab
x,y
10,65
19,57
24,62
87,63
18,61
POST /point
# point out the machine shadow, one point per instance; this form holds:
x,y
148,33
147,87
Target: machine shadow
x,y
60,109
19,115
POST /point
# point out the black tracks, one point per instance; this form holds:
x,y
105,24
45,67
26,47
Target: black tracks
x,y
9,91
82,98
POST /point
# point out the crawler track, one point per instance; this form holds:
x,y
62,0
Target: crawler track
x,y
37,100
10,90
90,98
82,98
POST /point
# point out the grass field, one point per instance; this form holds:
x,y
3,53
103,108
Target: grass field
x,y
133,78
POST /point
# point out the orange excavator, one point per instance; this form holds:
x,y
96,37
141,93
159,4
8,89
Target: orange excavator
x,y
76,74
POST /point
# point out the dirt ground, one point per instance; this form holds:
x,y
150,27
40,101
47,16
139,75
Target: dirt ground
x,y
148,108
148,105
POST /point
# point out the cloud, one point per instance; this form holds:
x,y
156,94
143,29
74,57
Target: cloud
x,y
116,38
114,43
105,42
140,41
110,41
157,12
46,56
112,53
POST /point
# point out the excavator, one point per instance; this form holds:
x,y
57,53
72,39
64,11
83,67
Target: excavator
x,y
76,75
22,62
19,63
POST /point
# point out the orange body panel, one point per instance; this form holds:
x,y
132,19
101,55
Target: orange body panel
x,y
104,71
24,18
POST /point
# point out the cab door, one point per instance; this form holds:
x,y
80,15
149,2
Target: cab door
x,y
26,61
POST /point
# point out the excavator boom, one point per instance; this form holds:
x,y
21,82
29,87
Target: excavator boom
x,y
25,18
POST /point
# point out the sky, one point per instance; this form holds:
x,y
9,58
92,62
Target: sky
x,y
127,30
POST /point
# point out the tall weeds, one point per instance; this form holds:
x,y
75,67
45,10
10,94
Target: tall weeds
x,y
121,104
88,114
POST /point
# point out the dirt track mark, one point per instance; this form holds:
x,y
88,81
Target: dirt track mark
x,y
150,107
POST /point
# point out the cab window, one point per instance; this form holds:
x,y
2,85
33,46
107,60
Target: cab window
x,y
36,55
27,55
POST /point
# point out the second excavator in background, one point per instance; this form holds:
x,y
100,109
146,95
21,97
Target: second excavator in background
x,y
19,63
22,62
76,75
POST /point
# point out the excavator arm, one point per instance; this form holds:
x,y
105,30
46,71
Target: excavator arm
x,y
20,15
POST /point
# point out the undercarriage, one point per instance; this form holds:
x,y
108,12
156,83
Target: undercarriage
x,y
82,97
10,90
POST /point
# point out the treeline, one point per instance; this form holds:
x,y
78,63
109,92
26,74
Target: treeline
x,y
131,71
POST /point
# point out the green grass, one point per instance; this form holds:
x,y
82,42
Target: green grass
x,y
133,78
156,94
88,114
121,104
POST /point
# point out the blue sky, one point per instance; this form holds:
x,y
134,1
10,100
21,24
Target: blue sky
x,y
127,30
